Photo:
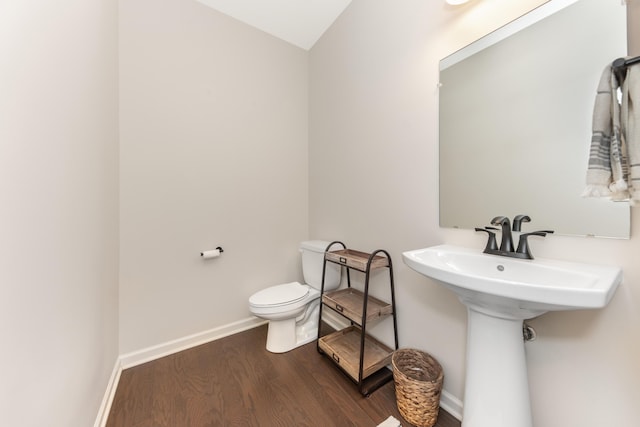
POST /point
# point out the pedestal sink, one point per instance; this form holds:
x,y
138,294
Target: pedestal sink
x,y
500,293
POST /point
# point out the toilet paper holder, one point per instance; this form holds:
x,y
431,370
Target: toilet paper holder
x,y
213,253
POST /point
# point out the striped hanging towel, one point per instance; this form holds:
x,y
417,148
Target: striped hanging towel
x,y
631,127
607,169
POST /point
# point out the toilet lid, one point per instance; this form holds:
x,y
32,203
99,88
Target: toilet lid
x,y
279,295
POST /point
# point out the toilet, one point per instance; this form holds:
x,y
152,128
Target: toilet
x,y
292,308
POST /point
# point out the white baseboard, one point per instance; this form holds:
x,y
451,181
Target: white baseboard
x,y
129,360
451,404
448,401
334,320
107,400
157,351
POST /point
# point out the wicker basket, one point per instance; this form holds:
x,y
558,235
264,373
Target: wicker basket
x,y
418,380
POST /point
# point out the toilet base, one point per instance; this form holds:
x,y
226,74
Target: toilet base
x,y
287,334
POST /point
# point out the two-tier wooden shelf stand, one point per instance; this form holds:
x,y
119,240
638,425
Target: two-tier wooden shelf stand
x,y
363,358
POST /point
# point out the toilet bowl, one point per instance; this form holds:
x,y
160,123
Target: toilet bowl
x,y
292,308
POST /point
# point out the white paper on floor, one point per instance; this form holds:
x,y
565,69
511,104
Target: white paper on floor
x,y
390,422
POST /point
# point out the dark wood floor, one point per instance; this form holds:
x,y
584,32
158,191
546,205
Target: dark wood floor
x,y
234,381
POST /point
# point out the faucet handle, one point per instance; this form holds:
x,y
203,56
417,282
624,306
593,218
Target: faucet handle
x,y
492,245
523,243
518,220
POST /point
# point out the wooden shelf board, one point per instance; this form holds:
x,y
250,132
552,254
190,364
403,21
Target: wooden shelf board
x,y
344,348
356,259
348,302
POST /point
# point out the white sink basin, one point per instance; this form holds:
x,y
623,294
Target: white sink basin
x,y
516,287
500,293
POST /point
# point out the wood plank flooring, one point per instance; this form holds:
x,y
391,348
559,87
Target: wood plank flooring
x,y
234,381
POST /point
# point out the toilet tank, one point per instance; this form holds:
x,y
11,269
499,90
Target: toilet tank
x,y
312,263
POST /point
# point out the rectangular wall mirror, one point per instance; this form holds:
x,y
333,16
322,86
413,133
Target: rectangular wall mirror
x,y
515,121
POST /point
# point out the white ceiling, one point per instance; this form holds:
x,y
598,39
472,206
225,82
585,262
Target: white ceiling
x,y
300,22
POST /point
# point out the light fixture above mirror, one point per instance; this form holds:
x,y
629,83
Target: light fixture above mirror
x,y
456,2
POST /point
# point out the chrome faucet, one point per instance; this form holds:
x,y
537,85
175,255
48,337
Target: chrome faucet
x,y
506,244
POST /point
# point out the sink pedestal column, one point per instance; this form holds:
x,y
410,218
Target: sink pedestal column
x,y
496,388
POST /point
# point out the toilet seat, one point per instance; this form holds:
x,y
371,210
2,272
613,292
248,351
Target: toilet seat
x,y
279,295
